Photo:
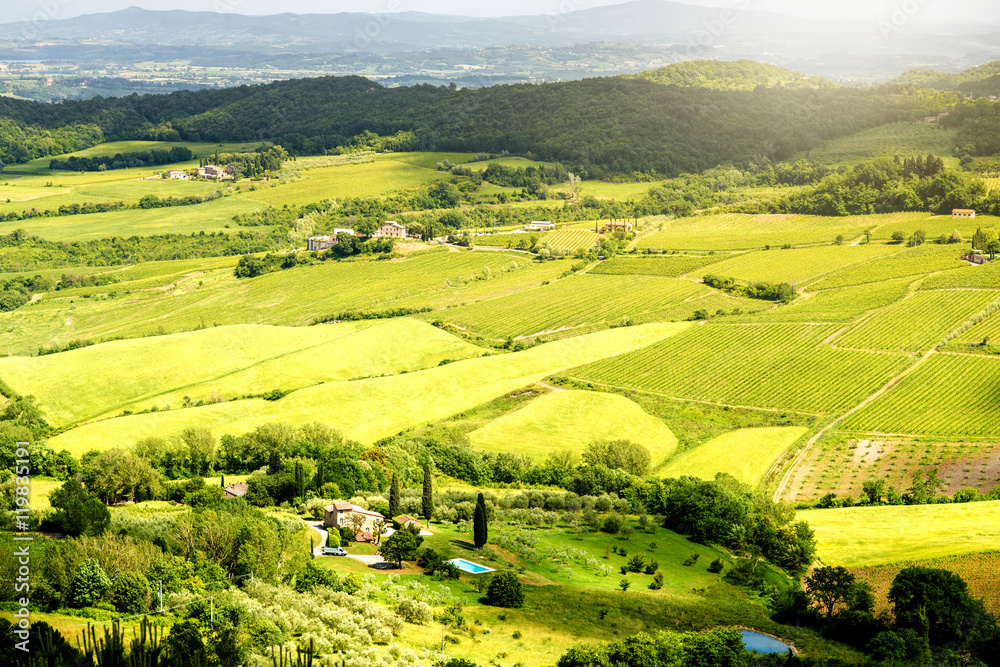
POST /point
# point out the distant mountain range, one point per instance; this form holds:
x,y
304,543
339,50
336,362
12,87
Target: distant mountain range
x,y
701,31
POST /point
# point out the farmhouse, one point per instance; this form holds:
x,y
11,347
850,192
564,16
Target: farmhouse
x,y
326,242
540,226
235,490
177,175
391,228
618,226
405,520
963,213
342,513
213,172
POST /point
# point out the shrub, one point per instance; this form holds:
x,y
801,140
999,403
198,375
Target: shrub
x,y
505,591
716,566
90,584
130,593
612,524
636,563
657,582
691,560
414,611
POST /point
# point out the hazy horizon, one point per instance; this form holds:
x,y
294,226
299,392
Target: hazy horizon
x,y
958,11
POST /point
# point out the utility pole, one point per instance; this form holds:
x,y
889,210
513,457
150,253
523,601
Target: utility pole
x,y
160,581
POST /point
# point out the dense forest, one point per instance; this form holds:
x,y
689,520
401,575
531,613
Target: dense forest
x,y
596,127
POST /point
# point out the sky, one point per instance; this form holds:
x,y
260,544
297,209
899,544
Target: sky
x,y
961,11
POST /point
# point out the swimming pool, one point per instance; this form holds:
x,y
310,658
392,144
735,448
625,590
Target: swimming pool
x,y
469,566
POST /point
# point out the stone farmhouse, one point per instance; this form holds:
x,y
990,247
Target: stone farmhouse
x,y
391,228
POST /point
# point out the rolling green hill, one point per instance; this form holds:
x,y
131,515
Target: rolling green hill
x,y
728,75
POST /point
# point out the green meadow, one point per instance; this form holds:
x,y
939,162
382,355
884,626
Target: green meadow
x,y
746,454
569,420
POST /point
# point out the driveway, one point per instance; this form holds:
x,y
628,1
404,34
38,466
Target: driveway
x,y
318,527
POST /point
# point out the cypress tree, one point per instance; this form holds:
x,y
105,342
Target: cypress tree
x,y
479,527
394,497
427,501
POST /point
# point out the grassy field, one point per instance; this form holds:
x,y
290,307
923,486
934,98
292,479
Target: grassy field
x,y
779,366
737,231
390,404
569,420
586,301
158,298
950,395
845,304
221,363
746,454
867,536
797,266
918,322
666,266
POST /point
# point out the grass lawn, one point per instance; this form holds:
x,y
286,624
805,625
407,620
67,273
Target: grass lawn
x,y
746,454
865,536
369,409
570,420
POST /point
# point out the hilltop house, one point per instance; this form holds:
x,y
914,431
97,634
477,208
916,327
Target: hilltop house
x,y
343,513
540,226
391,228
963,213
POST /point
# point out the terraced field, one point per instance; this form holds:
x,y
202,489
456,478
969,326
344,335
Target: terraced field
x,y
777,366
965,276
569,420
746,454
587,300
950,395
918,322
919,261
389,404
666,266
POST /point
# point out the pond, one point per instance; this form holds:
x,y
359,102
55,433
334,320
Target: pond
x,y
754,641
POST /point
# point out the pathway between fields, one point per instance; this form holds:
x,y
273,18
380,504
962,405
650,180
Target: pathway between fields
x,y
860,406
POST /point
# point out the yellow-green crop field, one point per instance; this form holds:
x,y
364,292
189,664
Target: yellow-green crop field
x,y
903,138
843,304
738,231
919,261
569,420
389,404
797,266
221,363
746,454
666,266
866,536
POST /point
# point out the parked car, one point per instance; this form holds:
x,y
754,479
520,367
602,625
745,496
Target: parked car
x,y
333,551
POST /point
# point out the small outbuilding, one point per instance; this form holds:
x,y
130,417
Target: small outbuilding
x,y
963,213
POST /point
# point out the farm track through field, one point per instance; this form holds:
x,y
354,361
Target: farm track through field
x,y
857,408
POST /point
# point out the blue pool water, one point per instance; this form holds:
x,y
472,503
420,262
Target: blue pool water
x,y
762,643
469,566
